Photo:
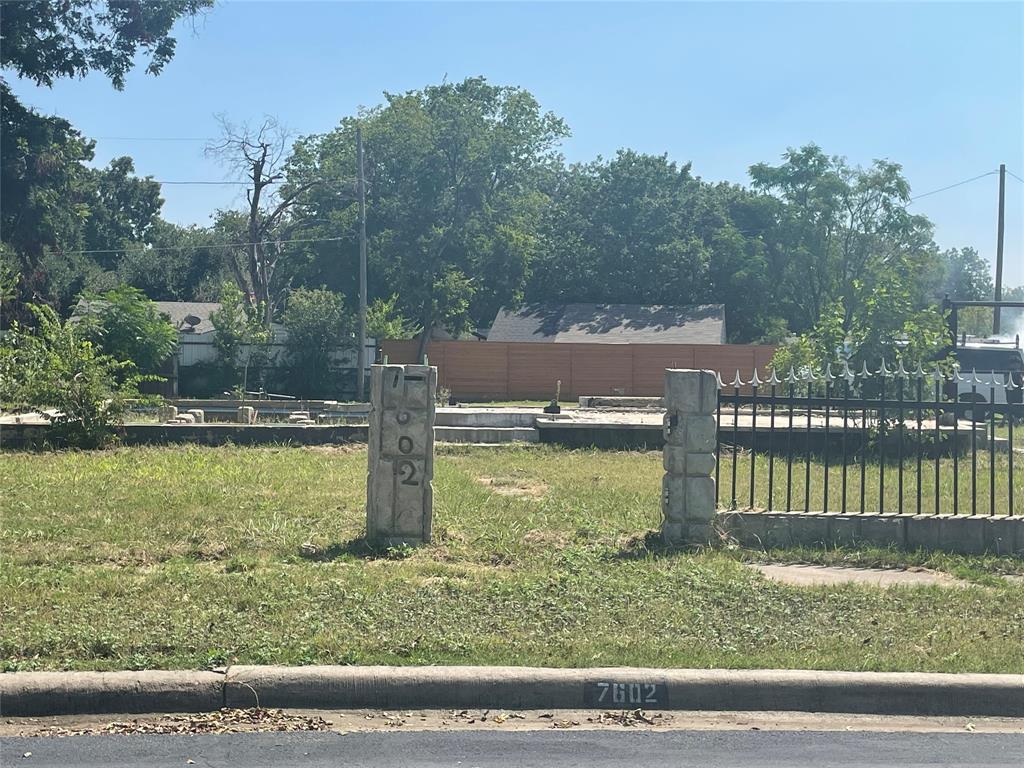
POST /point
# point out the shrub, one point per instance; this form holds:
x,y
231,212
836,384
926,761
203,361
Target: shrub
x,y
316,323
53,367
238,333
126,325
385,321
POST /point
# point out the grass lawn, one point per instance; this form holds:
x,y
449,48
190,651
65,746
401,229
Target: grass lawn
x,y
190,557
966,474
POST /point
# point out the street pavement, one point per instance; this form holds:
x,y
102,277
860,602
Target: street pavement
x,y
484,749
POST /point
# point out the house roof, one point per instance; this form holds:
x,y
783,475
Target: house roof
x,y
611,324
189,314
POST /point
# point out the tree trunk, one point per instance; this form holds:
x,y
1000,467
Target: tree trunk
x,y
421,351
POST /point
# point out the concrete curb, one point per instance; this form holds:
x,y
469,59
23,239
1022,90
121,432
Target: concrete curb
x,y
329,687
26,694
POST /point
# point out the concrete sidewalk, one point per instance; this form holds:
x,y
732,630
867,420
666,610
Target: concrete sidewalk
x,y
333,687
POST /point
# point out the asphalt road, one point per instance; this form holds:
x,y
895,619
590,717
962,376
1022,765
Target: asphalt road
x,y
565,749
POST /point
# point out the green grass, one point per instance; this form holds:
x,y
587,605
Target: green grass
x,y
190,557
949,491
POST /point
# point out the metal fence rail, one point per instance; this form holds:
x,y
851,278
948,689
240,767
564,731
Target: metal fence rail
x,y
885,441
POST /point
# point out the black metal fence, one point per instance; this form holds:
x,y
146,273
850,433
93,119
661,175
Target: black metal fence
x,y
884,442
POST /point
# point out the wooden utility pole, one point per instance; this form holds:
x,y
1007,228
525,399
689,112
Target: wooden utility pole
x,y
361,356
999,248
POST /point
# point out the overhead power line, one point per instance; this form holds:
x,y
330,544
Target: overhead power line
x,y
952,186
326,180
153,138
1018,178
197,247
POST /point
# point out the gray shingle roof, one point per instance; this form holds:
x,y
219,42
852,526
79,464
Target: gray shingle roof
x,y
178,311
611,324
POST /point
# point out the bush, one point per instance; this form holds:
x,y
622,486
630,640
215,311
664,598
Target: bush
x,y
316,323
385,321
53,367
126,325
238,335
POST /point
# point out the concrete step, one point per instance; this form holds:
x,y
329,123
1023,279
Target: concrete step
x,y
485,417
447,434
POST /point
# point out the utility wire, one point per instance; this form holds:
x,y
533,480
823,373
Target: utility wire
x,y
951,186
198,247
1018,178
246,183
153,138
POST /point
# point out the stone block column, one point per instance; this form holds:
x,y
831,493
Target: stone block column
x,y
688,489
399,490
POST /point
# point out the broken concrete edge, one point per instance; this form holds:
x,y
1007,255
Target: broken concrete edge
x,y
351,687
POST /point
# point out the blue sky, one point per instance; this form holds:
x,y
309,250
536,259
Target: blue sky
x,y
937,87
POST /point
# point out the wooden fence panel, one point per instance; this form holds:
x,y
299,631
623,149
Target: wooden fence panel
x,y
475,370
650,362
525,370
533,370
601,369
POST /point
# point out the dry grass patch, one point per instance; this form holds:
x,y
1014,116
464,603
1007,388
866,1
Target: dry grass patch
x,y
522,487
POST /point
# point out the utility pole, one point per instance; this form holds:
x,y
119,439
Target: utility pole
x,y
999,248
361,356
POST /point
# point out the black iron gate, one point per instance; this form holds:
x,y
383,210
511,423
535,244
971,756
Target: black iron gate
x,y
883,442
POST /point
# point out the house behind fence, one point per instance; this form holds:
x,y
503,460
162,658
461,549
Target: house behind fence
x,y
193,369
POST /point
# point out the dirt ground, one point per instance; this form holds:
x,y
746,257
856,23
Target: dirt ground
x,y
345,721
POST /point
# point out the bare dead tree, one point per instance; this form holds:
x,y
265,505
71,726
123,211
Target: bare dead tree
x,y
258,155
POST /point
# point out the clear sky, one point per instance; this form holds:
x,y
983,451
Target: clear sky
x,y
937,87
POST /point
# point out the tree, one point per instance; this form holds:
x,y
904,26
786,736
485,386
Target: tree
x,y
961,274
258,155
385,321
47,39
127,326
640,229
316,323
238,331
176,263
122,211
839,230
42,173
50,197
453,198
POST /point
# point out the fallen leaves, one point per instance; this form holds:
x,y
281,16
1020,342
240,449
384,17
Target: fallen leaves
x,y
628,718
227,720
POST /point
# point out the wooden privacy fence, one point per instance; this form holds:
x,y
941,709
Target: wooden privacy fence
x,y
501,370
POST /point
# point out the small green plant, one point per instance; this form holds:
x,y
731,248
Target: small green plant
x,y
239,334
443,396
53,367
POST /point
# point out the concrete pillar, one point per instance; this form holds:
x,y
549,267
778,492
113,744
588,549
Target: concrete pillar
x,y
246,414
399,491
166,413
688,489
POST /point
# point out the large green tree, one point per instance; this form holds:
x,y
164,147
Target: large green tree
x,y
453,203
54,205
641,229
66,224
44,40
841,232
175,264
